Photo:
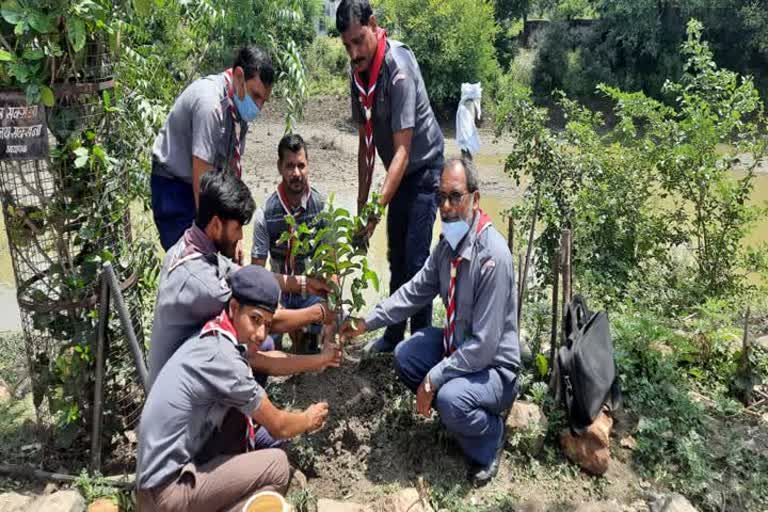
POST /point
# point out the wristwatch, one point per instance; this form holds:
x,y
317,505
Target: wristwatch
x,y
427,385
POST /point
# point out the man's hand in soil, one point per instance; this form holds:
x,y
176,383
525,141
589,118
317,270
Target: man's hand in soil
x,y
316,415
331,353
353,328
317,287
424,399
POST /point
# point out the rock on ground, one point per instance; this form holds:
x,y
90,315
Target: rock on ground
x,y
407,500
62,501
590,450
527,418
13,502
672,503
5,393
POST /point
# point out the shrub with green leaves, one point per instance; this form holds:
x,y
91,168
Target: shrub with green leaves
x,y
453,41
327,66
50,42
659,182
694,444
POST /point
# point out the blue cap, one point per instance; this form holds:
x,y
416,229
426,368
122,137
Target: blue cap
x,y
253,285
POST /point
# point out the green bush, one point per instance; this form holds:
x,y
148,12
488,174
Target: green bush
x,y
453,40
687,441
657,184
327,66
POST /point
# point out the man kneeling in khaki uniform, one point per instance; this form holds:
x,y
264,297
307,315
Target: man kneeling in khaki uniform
x,y
198,426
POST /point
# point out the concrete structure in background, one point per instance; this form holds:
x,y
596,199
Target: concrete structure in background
x,y
328,18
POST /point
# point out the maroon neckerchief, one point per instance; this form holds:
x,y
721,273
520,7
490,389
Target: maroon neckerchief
x,y
235,164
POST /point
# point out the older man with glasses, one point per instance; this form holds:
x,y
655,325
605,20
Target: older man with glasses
x,y
468,369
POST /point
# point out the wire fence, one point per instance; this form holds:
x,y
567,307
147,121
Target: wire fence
x,y
65,215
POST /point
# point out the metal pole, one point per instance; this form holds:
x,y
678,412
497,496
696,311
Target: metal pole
x,y
565,245
565,266
98,394
555,310
125,321
528,250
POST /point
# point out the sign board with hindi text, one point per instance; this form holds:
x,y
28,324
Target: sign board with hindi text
x,y
23,128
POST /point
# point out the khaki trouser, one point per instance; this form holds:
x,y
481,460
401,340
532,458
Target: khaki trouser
x,y
226,478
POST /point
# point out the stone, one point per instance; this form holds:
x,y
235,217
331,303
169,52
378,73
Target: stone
x,y
527,419
628,442
5,393
590,450
130,435
62,501
407,500
50,488
325,505
761,342
599,506
637,506
677,503
13,502
103,505
533,506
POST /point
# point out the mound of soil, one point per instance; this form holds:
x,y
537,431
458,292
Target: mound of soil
x,y
372,436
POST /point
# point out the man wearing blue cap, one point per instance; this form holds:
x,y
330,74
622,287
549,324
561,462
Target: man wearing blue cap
x,y
199,422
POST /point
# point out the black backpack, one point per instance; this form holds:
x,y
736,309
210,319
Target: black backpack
x,y
587,369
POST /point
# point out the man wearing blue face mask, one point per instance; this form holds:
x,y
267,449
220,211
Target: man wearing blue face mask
x,y
205,130
468,369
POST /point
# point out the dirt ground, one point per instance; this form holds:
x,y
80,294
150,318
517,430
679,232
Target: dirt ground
x,y
374,444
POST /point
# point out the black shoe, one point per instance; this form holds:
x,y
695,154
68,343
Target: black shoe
x,y
481,475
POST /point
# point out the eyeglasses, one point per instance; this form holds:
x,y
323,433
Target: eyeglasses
x,y
454,198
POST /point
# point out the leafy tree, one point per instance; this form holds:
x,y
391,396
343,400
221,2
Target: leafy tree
x,y
605,183
453,40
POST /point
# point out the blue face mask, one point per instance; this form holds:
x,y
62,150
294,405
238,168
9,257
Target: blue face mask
x,y
247,108
454,231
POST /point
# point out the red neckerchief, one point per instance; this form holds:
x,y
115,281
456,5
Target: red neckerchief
x,y
367,95
222,324
448,339
283,198
235,164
